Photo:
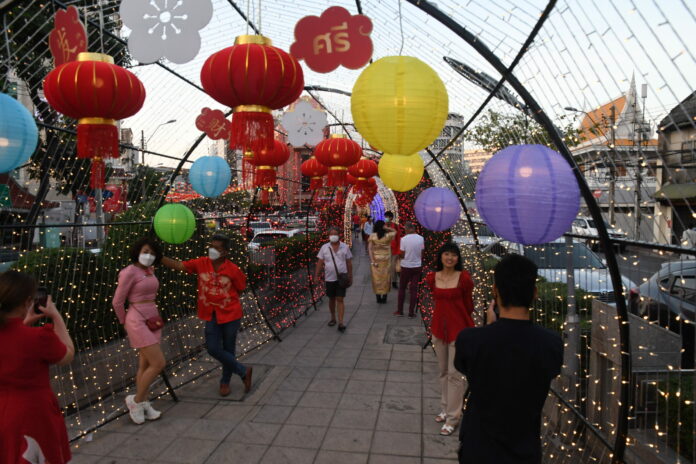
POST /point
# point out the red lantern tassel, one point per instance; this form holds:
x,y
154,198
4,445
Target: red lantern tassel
x,y
247,168
252,128
97,137
264,197
96,179
339,196
265,176
315,183
337,176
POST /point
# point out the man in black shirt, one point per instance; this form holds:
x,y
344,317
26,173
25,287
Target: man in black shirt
x,y
509,366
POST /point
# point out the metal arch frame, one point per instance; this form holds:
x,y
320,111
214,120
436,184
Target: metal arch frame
x,y
543,119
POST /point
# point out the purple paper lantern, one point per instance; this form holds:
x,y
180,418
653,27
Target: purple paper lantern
x,y
528,194
437,209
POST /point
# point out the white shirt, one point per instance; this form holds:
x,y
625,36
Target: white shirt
x,y
341,256
368,228
412,245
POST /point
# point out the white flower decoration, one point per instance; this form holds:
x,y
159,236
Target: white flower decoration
x,y
165,28
305,125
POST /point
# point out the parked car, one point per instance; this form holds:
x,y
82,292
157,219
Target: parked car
x,y
487,239
583,225
267,237
589,270
669,299
258,226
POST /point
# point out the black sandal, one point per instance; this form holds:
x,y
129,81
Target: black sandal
x,y
332,323
341,328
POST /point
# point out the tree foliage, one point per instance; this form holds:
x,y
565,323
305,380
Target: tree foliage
x,y
495,131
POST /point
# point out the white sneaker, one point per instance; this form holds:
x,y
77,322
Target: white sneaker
x,y
150,412
136,410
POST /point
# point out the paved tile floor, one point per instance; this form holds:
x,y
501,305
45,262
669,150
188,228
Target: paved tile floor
x,y
326,397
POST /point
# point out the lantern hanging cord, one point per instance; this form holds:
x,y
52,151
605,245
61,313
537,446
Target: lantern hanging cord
x,y
248,18
9,54
101,26
260,23
401,29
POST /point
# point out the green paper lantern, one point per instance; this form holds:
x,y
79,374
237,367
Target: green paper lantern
x,y
174,223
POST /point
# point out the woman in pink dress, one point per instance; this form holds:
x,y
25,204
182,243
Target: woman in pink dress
x,y
137,284
32,428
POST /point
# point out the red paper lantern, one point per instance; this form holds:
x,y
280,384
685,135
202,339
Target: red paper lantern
x,y
316,171
96,92
267,162
363,170
337,153
253,77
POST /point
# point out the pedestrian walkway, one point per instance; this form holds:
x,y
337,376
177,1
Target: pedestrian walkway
x,y
322,397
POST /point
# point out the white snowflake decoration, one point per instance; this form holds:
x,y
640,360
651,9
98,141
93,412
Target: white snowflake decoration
x,y
305,125
33,453
165,28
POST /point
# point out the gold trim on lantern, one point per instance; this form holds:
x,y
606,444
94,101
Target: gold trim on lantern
x,y
338,168
337,136
102,121
252,39
251,109
89,56
248,154
316,177
266,168
361,178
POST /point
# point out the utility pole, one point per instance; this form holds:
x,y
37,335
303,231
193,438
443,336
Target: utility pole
x,y
571,328
612,166
640,128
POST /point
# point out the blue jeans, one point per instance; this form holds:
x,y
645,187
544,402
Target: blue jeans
x,y
221,342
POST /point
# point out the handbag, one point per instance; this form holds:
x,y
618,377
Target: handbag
x,y
153,323
343,279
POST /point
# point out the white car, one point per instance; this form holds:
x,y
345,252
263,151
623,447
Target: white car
x,y
267,237
589,271
583,225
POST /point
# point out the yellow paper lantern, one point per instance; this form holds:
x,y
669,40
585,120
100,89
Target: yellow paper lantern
x,y
401,173
399,105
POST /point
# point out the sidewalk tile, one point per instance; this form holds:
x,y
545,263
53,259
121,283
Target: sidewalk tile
x,y
365,387
399,422
351,419
300,436
327,385
235,453
256,433
338,457
410,404
311,416
284,454
273,414
188,450
350,440
319,400
397,443
359,402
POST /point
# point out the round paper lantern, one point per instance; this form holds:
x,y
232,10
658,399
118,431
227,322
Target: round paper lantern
x,y
437,209
337,153
316,171
401,173
399,105
97,93
174,223
267,161
252,77
528,194
18,134
210,176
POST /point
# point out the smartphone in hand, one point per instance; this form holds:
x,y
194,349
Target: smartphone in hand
x,y
40,299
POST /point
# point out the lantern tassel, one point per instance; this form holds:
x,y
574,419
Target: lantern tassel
x,y
96,179
315,183
252,130
339,196
337,176
97,137
247,171
264,197
265,177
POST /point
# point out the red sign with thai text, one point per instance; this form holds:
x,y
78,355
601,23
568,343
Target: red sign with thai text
x,y
214,124
68,37
333,39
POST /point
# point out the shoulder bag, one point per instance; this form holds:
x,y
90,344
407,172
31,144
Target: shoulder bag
x,y
343,279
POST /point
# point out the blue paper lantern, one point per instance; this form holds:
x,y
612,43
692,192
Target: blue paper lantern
x,y
437,209
528,194
18,134
210,176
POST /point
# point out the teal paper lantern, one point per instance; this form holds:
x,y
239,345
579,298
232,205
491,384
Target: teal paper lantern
x,y
18,134
174,223
210,176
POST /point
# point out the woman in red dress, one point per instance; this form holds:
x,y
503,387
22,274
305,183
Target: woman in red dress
x,y
32,429
452,289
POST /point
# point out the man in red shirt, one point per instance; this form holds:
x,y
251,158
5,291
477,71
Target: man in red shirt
x,y
395,250
219,284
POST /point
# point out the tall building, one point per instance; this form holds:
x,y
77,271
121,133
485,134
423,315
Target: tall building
x,y
452,159
476,159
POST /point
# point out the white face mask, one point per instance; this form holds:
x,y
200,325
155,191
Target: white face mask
x,y
146,259
333,238
213,254
387,220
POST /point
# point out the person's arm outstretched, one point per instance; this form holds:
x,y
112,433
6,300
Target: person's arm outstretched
x,y
173,264
59,328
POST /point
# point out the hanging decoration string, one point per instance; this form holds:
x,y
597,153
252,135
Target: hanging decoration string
x,y
260,23
401,29
248,18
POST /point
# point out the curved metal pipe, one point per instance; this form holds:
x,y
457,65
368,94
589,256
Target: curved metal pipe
x,y
542,118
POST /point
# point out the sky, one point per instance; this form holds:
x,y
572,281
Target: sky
x,y
585,55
